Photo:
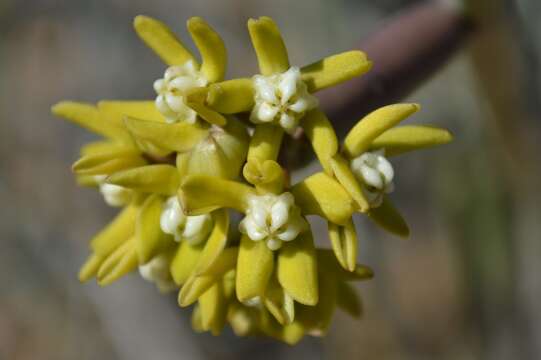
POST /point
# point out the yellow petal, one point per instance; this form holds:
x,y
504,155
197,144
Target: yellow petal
x,y
108,163
184,261
254,267
297,269
348,300
161,40
265,143
322,136
115,233
344,244
373,125
268,45
211,47
196,286
86,180
160,179
116,110
200,194
222,153
110,261
121,262
231,96
216,242
242,319
103,146
213,308
174,137
195,99
208,158
226,261
150,240
90,267
88,117
345,177
279,303
335,69
402,139
290,334
321,195
267,176
389,218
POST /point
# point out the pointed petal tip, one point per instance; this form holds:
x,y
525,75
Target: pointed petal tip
x,y
141,20
448,137
362,57
76,166
84,276
194,22
65,107
368,271
57,108
185,298
260,21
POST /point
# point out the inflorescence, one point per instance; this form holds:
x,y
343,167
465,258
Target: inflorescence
x,y
186,166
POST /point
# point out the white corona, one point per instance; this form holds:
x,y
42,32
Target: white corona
x,y
157,272
113,195
273,219
375,173
282,99
193,229
172,88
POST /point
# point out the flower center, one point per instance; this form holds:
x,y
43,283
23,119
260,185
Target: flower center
x,y
171,89
157,272
282,99
375,173
113,195
273,218
192,229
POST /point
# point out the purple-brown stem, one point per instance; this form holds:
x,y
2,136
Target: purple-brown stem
x,y
406,51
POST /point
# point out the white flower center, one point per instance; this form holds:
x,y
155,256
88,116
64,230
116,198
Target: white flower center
x,y
273,218
281,98
157,272
171,89
113,195
375,173
192,229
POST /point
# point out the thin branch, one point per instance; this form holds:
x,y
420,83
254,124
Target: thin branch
x,y
409,49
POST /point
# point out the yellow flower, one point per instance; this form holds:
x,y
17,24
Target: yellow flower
x,y
184,79
277,315
364,172
280,97
274,221
177,181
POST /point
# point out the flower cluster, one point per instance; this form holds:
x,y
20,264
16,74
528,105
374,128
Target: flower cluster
x,y
207,208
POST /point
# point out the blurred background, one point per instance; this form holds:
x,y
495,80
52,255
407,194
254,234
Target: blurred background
x,y
464,286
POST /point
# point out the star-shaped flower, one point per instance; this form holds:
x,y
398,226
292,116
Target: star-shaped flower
x,y
278,222
281,96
